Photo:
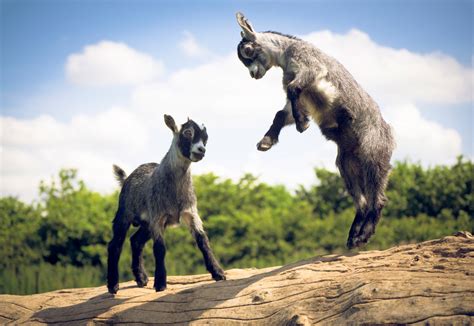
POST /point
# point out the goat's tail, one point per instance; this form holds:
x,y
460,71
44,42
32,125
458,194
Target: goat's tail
x,y
120,174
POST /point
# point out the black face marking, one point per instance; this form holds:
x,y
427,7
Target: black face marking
x,y
191,134
256,54
256,51
247,51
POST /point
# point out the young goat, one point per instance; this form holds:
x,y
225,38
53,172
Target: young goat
x,y
155,196
318,86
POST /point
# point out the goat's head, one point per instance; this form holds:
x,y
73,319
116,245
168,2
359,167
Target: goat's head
x,y
191,138
251,52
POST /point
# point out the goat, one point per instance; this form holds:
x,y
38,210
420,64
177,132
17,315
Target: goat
x,y
318,86
155,196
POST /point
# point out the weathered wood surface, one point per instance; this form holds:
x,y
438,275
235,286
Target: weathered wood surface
x,y
430,283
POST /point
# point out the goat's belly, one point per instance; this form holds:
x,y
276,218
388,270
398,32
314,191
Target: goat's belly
x,y
172,220
314,112
320,113
164,220
319,100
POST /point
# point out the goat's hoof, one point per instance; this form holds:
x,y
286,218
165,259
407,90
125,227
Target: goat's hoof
x,y
362,237
142,284
355,242
142,280
219,277
302,126
160,288
351,244
265,144
113,289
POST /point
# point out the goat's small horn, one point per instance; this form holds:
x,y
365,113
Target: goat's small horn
x,y
188,119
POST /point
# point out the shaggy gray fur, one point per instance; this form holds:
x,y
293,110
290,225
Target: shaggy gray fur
x,y
155,196
318,86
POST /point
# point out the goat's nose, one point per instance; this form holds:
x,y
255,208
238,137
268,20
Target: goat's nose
x,y
202,149
252,73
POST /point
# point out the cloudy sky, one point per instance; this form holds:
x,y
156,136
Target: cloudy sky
x,y
85,84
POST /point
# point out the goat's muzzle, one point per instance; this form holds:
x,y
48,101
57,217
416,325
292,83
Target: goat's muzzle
x,y
198,155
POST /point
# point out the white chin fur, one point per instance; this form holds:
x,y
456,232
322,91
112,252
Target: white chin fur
x,y
196,157
259,72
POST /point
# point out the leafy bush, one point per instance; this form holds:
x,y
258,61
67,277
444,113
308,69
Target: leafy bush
x,y
61,241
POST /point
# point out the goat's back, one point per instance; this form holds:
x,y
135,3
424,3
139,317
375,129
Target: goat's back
x,y
133,195
367,127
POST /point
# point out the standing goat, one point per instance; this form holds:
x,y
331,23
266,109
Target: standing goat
x,y
155,196
318,86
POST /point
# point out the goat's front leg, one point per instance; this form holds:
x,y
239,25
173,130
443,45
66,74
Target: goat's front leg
x,y
159,251
194,222
297,79
299,112
282,118
212,265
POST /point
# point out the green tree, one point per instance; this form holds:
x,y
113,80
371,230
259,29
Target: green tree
x,y
413,190
75,223
328,195
61,241
19,241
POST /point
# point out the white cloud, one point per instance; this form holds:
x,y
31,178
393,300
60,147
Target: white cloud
x,y
32,150
397,75
111,63
400,81
237,111
100,131
191,47
421,139
220,91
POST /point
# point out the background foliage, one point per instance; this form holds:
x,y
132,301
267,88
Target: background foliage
x,y
61,240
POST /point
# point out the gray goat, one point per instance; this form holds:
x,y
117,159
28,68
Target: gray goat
x,y
155,196
318,86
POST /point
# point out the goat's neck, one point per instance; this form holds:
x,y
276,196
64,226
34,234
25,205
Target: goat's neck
x,y
175,163
275,45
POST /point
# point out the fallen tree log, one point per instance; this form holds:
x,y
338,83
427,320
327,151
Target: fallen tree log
x,y
430,283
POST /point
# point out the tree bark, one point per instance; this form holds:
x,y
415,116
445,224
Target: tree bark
x,y
429,283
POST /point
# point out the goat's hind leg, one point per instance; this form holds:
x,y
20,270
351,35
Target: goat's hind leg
x,y
137,242
352,175
368,229
120,227
376,179
371,203
282,118
364,225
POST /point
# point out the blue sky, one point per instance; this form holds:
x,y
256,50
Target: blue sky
x,y
37,37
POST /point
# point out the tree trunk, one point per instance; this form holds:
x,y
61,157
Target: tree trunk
x,y
430,283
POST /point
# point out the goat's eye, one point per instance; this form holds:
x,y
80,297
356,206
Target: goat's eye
x,y
248,51
188,133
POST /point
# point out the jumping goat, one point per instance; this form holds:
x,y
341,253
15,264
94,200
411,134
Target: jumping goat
x,y
318,86
155,196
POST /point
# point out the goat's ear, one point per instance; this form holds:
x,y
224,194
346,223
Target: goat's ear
x,y
248,32
170,123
